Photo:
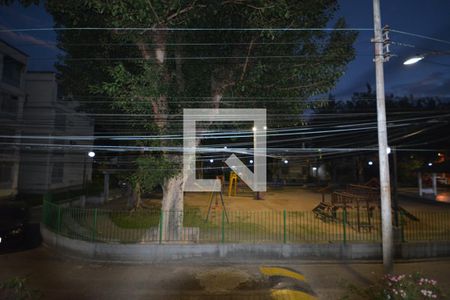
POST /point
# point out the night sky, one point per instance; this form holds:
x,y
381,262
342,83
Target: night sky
x,y
430,77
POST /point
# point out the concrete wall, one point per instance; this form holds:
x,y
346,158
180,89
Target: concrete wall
x,y
158,253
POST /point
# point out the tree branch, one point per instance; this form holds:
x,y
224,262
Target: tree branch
x,y
183,11
244,69
154,12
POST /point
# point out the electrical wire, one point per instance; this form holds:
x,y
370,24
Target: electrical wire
x,y
175,29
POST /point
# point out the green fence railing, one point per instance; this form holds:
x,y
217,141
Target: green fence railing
x,y
193,225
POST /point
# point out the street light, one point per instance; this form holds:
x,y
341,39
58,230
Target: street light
x,y
413,60
416,58
91,154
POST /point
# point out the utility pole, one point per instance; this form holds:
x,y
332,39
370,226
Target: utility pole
x,y
386,211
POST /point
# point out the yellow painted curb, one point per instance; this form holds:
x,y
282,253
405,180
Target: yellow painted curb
x,y
277,271
291,295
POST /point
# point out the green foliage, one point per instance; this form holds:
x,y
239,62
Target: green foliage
x,y
121,67
16,288
407,167
153,170
397,287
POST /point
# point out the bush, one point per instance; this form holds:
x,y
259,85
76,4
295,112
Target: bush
x,y
16,289
398,287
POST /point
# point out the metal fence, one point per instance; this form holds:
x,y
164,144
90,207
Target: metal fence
x,y
195,226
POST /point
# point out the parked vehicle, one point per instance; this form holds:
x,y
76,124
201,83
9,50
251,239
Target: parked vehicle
x,y
14,219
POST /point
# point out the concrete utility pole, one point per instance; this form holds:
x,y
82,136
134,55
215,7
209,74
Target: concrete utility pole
x,y
386,212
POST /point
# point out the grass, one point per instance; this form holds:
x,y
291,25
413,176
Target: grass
x,y
135,219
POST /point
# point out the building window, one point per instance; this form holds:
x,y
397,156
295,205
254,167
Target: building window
x,y
6,174
9,104
57,172
12,71
58,168
7,137
60,121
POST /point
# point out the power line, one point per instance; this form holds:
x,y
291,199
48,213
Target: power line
x,y
178,29
421,36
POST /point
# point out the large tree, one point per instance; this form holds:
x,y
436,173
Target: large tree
x,y
149,73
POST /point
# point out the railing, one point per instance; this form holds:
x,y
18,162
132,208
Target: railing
x,y
155,226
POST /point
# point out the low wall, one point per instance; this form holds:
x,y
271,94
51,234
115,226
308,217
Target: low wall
x,y
170,251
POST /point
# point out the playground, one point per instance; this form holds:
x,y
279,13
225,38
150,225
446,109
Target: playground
x,y
293,198
283,214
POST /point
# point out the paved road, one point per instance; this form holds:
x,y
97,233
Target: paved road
x,y
60,277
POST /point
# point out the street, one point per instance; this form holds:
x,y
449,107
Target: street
x,y
62,277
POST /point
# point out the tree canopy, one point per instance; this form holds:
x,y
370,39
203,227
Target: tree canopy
x,y
150,59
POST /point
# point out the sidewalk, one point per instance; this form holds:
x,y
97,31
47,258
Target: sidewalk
x,y
59,277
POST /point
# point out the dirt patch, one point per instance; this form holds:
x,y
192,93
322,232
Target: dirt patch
x,y
223,279
185,282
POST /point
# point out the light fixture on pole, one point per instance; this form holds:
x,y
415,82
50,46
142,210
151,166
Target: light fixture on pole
x,y
416,58
91,154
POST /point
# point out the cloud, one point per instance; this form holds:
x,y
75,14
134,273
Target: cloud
x,y
435,84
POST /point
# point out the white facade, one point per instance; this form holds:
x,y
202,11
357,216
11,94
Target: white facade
x,y
54,153
13,64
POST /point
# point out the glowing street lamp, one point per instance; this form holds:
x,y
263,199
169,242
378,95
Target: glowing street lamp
x,y
91,154
414,59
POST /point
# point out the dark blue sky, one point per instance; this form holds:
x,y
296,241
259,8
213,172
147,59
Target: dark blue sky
x,y
431,77
428,77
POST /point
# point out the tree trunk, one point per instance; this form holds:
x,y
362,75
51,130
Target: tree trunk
x,y
137,196
172,208
360,169
172,203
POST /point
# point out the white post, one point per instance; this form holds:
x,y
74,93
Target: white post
x,y
434,183
105,187
386,210
419,179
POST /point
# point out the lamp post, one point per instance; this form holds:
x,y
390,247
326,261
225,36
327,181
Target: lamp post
x,y
90,154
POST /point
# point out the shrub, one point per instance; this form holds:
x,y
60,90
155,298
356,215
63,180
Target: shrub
x,y
398,287
16,289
